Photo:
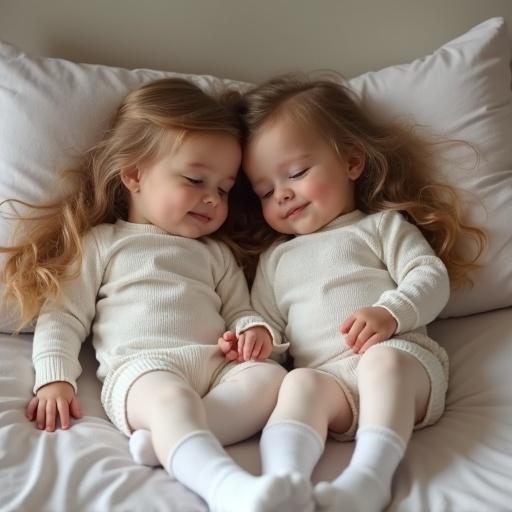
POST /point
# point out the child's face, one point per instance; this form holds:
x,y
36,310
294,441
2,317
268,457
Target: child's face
x,y
301,181
185,190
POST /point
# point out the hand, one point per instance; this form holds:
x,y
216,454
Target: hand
x,y
368,326
254,344
52,400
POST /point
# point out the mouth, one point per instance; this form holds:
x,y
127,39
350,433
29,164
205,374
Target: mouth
x,y
204,219
295,212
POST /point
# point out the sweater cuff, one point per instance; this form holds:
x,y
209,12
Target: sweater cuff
x,y
402,310
53,369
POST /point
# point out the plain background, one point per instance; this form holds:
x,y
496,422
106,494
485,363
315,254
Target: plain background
x,y
242,39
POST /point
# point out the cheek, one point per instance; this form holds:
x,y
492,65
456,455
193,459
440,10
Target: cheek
x,y
318,190
271,215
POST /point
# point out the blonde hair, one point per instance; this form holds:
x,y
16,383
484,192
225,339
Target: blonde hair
x,y
398,175
53,232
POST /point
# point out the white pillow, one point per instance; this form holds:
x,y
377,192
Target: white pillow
x,y
51,109
462,91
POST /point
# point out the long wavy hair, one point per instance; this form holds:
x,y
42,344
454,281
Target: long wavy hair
x,y
51,234
399,173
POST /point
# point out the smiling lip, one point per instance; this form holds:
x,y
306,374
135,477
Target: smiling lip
x,y
200,217
295,211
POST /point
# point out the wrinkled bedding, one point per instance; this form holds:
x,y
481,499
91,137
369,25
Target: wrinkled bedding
x,y
463,463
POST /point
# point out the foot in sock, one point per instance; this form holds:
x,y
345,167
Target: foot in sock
x,y
354,491
243,493
141,448
301,499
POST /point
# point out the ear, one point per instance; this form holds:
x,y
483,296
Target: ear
x,y
130,176
356,160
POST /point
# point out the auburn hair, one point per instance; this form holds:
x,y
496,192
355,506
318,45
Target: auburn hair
x,y
48,238
399,174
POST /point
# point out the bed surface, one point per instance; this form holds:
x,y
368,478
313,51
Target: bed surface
x,y
463,463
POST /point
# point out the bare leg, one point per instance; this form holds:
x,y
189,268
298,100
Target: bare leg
x,y
257,385
309,403
315,399
241,404
173,412
394,390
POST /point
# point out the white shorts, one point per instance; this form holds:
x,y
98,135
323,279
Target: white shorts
x,y
429,353
202,366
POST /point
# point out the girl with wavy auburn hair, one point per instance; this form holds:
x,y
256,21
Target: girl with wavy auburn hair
x,y
133,255
359,247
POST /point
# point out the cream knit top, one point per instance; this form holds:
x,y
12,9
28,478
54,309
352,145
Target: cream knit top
x,y
307,286
139,291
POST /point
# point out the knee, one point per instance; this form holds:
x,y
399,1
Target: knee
x,y
303,382
267,378
171,396
383,362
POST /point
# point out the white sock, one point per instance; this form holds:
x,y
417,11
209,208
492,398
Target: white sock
x,y
292,448
141,448
365,486
200,463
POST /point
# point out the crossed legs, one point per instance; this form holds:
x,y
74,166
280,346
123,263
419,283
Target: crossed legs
x,y
174,413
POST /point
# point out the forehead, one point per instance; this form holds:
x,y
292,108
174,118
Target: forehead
x,y
277,142
209,150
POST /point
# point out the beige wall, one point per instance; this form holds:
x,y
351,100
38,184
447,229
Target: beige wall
x,y
247,40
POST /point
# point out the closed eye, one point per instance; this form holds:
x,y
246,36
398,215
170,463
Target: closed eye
x,y
193,180
268,194
299,174
222,192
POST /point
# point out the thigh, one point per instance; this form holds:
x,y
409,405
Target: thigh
x,y
254,375
152,392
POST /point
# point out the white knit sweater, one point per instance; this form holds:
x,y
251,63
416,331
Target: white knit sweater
x,y
140,289
306,287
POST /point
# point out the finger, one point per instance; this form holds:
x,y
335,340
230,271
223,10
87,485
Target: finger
x,y
41,413
63,408
241,343
347,324
256,351
232,355
250,341
225,346
32,407
376,338
363,337
74,408
354,331
229,336
51,409
266,350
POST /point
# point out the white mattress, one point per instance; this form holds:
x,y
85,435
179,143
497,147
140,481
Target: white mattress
x,y
463,463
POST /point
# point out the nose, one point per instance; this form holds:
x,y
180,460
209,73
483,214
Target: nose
x,y
283,194
211,199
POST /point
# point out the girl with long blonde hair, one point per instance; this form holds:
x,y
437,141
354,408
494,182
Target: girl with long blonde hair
x,y
359,248
134,255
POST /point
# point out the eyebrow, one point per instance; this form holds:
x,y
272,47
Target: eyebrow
x,y
300,156
200,165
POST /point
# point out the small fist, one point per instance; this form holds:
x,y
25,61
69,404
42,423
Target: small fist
x,y
368,326
254,344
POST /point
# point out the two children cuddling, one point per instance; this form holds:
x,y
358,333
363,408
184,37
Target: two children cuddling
x,y
357,251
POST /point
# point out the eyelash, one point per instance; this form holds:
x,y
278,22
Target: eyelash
x,y
222,192
293,176
299,174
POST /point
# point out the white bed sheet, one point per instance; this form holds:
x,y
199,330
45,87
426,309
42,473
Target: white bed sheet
x,y
462,464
